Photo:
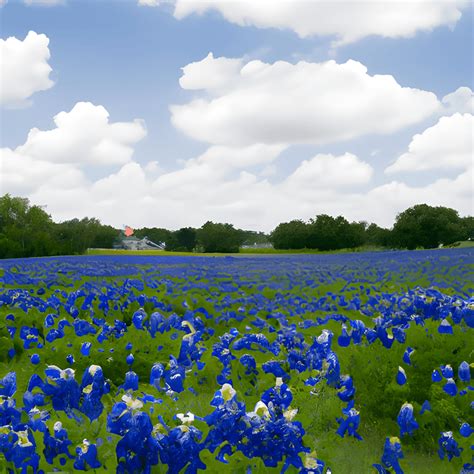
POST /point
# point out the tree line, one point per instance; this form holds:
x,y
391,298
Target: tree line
x,y
27,230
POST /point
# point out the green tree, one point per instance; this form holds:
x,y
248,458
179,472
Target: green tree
x,y
216,237
290,235
183,240
426,226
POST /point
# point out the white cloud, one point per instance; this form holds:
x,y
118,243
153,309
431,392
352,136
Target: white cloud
x,y
286,103
347,21
446,145
24,68
329,172
84,135
21,174
461,100
148,3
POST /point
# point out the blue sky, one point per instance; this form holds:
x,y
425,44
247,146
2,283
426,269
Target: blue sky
x,y
128,59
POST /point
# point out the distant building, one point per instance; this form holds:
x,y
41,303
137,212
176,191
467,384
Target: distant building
x,y
266,245
128,242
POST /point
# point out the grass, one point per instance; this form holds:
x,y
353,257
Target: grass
x,y
257,251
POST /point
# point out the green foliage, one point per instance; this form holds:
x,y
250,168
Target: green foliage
x,y
426,226
214,237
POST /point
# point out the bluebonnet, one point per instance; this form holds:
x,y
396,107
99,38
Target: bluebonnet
x,y
450,387
445,327
407,355
466,430
436,376
401,376
447,371
63,389
86,457
137,450
425,407
19,447
93,387
57,444
464,372
448,446
350,423
392,453
406,421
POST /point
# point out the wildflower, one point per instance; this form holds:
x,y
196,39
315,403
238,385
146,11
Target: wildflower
x,y
401,376
390,458
406,420
448,446
86,457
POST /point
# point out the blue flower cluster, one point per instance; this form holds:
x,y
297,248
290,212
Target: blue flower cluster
x,y
124,364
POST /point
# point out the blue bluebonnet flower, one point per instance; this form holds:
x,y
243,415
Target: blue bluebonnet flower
x,y
406,421
130,359
450,387
346,389
9,415
390,458
226,420
63,389
333,369
448,446
280,396
37,419
466,430
350,423
19,447
29,336
344,339
401,376
156,374
93,386
86,348
8,385
180,448
447,371
137,450
174,376
425,407
248,361
407,355
436,376
275,367
82,327
464,372
86,457
445,327
35,359
131,381
57,444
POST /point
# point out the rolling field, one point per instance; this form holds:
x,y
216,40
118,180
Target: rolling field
x,y
346,363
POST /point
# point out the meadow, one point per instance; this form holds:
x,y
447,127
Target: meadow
x,y
345,363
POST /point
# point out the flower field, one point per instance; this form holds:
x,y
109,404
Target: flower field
x,y
351,363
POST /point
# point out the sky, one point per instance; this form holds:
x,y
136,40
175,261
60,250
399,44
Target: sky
x,y
173,113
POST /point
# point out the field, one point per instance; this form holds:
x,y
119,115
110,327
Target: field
x,y
301,363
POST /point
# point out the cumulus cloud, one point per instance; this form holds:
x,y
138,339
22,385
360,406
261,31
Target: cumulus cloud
x,y
446,145
461,100
24,68
329,171
347,21
84,135
224,184
283,103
